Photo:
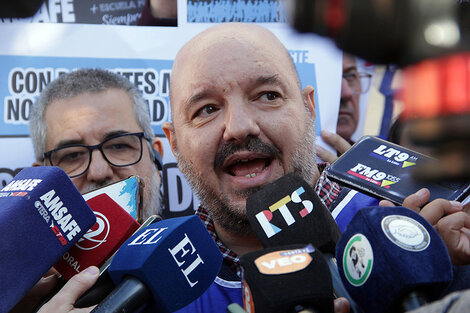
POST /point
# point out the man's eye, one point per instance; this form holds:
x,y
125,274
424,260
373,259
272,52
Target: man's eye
x,y
270,96
205,111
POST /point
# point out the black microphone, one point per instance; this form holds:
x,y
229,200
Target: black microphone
x,y
288,211
163,267
392,260
290,278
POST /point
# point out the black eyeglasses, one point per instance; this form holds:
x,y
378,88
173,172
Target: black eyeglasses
x,y
358,82
120,151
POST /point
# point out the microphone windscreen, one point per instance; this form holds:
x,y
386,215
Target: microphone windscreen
x,y
281,278
387,253
42,216
289,211
175,258
112,228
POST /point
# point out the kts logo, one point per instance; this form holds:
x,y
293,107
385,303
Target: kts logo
x,y
394,156
358,259
96,235
406,232
284,261
264,217
373,176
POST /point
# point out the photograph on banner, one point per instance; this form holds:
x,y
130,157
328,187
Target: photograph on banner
x,y
105,12
247,11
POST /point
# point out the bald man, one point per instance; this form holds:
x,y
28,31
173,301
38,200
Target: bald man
x,y
240,121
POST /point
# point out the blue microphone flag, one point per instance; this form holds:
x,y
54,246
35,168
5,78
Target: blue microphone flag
x,y
176,259
42,216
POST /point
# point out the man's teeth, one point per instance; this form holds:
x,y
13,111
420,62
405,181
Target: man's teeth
x,y
250,175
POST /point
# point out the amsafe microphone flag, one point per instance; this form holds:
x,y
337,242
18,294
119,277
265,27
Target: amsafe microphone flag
x,y
42,216
289,211
390,258
163,267
112,228
281,279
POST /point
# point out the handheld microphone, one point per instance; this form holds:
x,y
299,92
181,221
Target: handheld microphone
x,y
392,260
288,211
163,267
42,216
290,278
112,228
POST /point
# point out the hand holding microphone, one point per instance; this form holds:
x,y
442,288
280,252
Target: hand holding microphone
x,y
450,219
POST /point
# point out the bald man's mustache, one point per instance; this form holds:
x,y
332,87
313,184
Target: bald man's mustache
x,y
251,144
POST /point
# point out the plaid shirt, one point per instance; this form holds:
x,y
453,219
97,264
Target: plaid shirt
x,y
327,190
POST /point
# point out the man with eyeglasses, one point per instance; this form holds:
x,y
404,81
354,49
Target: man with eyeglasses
x,y
354,83
95,125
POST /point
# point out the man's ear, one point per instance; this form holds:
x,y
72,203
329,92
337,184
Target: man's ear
x,y
169,131
157,145
37,163
309,98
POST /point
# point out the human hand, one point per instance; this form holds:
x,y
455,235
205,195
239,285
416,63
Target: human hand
x,y
335,141
450,219
64,300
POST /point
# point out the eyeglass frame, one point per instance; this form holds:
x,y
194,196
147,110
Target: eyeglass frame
x,y
156,156
359,76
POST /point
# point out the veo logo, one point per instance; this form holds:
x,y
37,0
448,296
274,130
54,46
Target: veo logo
x,y
264,217
374,176
285,261
394,156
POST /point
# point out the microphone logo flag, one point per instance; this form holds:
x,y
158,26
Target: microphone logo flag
x,y
373,176
284,261
264,217
358,259
394,156
96,235
406,232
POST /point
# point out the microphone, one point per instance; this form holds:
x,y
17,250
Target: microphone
x,y
104,285
392,260
163,267
289,211
112,228
42,216
290,278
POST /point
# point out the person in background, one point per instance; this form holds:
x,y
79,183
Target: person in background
x,y
95,125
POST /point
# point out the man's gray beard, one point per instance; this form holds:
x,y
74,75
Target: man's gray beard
x,y
150,207
234,219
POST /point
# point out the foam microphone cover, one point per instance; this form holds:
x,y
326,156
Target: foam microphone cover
x,y
289,211
112,228
276,280
42,216
387,253
176,259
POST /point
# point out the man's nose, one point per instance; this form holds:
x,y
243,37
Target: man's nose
x,y
99,170
240,122
346,90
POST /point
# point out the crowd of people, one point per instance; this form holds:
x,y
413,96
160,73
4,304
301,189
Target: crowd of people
x,y
240,120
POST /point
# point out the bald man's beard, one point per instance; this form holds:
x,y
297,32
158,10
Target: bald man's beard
x,y
233,218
